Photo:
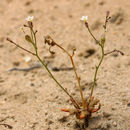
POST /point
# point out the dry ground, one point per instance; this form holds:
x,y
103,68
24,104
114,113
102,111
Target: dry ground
x,y
31,100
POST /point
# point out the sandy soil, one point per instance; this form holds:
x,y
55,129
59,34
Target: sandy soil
x,y
31,100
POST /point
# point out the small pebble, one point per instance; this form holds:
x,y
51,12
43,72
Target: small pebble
x,y
128,104
63,119
114,123
27,3
32,84
50,122
101,2
105,114
16,63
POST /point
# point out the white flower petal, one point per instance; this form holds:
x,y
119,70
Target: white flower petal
x,y
30,18
84,18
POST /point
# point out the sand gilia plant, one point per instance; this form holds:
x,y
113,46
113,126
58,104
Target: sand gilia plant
x,y
84,108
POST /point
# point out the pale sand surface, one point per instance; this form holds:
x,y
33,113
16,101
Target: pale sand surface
x,y
31,100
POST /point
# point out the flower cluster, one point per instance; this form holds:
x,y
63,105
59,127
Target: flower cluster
x,y
84,18
30,18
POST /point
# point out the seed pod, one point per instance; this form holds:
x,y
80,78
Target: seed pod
x,y
49,40
28,38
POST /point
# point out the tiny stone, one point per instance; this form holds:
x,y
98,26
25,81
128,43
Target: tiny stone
x,y
87,5
113,108
128,104
1,81
70,15
105,114
50,122
115,55
114,123
46,113
2,39
9,1
56,97
32,84
1,45
68,124
31,11
16,63
83,88
27,3
55,69
63,119
80,54
89,53
101,3
49,128
56,6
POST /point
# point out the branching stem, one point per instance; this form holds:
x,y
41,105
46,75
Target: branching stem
x,y
102,57
114,51
77,77
20,46
56,79
44,65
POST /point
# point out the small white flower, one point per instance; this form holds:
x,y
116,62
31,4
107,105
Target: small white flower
x,y
30,18
84,18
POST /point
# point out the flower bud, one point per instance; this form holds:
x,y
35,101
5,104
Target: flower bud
x,y
103,39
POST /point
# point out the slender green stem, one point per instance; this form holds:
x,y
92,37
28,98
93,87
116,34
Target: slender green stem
x,y
35,39
93,35
8,39
51,74
44,65
31,31
34,43
42,62
114,51
97,68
